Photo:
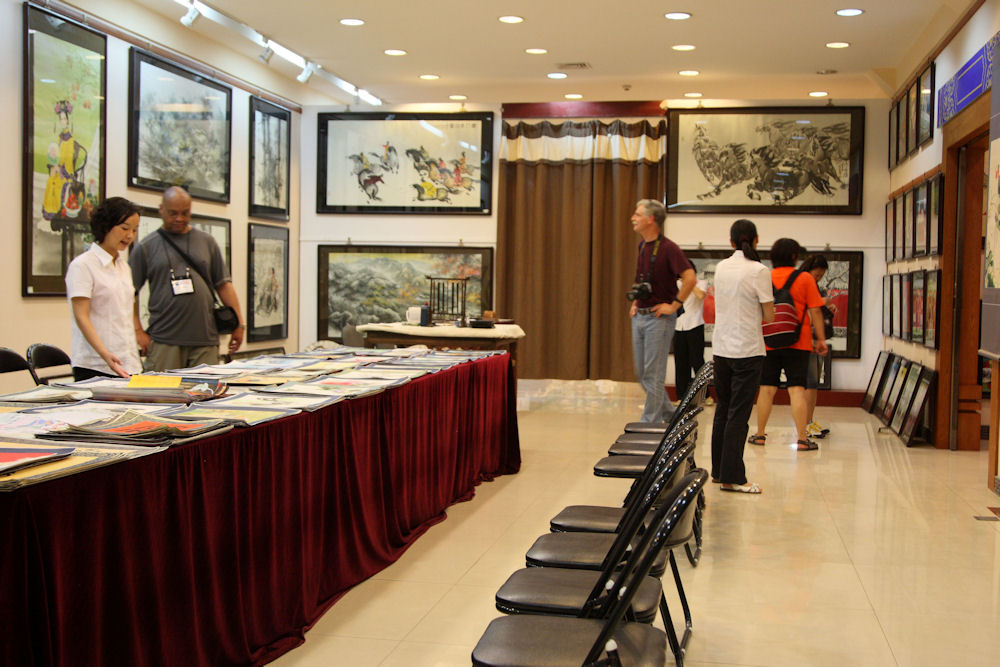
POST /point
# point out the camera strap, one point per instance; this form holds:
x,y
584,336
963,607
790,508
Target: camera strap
x,y
645,277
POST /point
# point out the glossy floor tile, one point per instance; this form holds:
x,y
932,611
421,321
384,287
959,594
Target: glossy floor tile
x,y
862,553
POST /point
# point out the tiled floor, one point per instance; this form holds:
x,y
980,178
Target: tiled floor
x,y
863,553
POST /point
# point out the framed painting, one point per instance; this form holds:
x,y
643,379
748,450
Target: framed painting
x,y
934,189
912,116
404,163
932,299
907,240
179,129
901,129
900,230
149,222
925,120
64,121
362,284
891,371
917,306
893,116
267,291
270,160
896,304
886,305
906,306
890,231
892,399
920,220
766,160
906,396
910,430
875,382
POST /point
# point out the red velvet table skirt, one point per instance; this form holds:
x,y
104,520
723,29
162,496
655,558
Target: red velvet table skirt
x,y
224,551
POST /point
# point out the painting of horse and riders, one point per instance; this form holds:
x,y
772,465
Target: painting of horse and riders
x,y
766,160
404,163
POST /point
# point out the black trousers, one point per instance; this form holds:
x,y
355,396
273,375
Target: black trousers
x,y
736,385
689,356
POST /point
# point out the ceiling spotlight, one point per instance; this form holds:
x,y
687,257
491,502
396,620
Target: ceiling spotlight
x,y
677,16
510,19
837,45
850,12
306,72
692,94
265,57
689,72
429,77
394,52
536,52
458,98
189,18
818,93
556,75
573,96
351,22
683,47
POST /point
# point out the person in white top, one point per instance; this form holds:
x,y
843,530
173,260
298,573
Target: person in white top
x,y
743,301
689,337
102,298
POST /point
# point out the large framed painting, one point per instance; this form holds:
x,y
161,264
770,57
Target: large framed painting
x,y
362,284
875,382
932,299
64,150
934,217
913,421
766,160
270,161
906,397
404,163
901,129
179,129
912,116
267,291
920,219
896,286
918,305
890,231
925,120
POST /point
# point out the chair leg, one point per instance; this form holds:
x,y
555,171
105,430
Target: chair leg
x,y
694,555
684,603
668,625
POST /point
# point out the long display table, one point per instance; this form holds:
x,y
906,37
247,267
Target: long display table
x,y
225,550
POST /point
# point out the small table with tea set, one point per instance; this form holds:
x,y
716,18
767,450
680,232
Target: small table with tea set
x,y
499,337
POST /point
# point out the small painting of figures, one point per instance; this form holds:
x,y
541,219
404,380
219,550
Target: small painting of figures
x,y
791,160
270,145
399,163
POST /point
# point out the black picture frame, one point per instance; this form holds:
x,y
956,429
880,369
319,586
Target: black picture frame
x,y
760,138
906,397
912,113
905,307
429,163
925,120
900,129
935,214
890,231
893,118
875,382
362,284
270,160
932,307
892,399
920,220
910,430
886,305
907,248
899,230
267,283
64,117
180,129
896,286
917,306
882,397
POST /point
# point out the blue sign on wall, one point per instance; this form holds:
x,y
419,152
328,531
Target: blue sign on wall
x,y
972,80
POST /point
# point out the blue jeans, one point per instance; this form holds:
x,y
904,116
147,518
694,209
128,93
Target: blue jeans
x,y
651,337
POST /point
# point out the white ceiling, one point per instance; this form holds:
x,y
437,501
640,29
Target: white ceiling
x,y
745,49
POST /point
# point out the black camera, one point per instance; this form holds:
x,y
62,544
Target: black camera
x,y
639,291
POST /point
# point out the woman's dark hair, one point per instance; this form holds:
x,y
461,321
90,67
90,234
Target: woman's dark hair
x,y
742,233
785,252
815,262
110,213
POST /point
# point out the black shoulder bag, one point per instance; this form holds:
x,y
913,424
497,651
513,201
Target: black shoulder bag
x,y
226,319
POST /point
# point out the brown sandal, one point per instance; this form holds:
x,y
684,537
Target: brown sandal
x,y
758,439
807,445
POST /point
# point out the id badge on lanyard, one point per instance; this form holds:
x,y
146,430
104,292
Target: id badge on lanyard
x,y
181,285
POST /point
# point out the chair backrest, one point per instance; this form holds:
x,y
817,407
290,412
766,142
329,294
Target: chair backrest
x,y
668,442
623,587
43,355
11,361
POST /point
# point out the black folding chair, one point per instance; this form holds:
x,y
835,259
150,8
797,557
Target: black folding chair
x,y
11,361
43,355
659,427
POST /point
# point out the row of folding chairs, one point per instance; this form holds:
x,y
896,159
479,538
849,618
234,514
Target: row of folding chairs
x,y
40,355
592,587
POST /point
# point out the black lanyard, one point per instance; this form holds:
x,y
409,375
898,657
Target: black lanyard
x,y
645,277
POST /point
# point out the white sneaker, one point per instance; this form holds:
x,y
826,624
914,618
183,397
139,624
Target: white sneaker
x,y
817,431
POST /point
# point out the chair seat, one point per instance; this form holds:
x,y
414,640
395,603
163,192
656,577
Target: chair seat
x,y
558,641
553,590
632,449
639,438
646,427
621,466
587,519
580,551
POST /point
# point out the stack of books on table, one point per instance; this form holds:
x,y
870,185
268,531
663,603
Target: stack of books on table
x,y
239,416
47,394
151,388
82,456
14,458
135,428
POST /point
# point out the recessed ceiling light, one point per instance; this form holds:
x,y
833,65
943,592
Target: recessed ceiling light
x,y
689,72
692,94
556,75
536,52
818,93
677,16
826,72
351,22
683,47
510,19
837,45
394,52
850,12
429,77
573,96
458,98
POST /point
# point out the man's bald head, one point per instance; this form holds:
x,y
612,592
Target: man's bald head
x,y
175,210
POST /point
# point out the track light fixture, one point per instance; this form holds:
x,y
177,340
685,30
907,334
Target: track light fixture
x,y
307,72
265,56
192,14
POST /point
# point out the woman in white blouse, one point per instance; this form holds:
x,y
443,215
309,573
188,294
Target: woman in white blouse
x,y
101,295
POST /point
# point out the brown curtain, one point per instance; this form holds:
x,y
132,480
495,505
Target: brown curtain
x,y
566,250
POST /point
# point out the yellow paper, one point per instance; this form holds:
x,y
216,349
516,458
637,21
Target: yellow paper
x,y
154,381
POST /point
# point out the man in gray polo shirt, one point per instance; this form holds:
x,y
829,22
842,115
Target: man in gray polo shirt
x,y
182,330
